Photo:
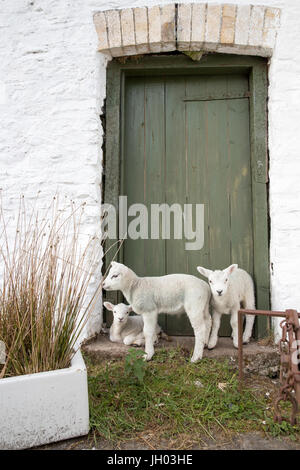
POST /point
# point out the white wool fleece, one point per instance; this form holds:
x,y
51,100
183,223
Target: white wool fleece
x,y
171,294
232,289
127,329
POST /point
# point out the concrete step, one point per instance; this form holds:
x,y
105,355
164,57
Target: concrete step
x,y
260,358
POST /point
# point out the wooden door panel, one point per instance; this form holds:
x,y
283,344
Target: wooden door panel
x,y
144,169
240,182
184,143
176,187
222,145
133,165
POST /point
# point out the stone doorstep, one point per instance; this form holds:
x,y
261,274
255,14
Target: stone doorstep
x,y
262,359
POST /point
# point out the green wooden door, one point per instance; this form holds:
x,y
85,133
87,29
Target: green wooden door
x,y
186,140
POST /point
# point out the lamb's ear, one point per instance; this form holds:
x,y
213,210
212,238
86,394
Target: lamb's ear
x,y
129,308
205,272
109,306
231,268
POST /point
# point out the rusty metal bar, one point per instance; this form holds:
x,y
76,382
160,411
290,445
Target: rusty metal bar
x,y
271,313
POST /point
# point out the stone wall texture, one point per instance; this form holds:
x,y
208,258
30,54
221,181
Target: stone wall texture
x,y
52,87
236,29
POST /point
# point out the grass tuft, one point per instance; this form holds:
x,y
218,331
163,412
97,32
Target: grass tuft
x,y
46,271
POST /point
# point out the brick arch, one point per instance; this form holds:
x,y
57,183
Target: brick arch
x,y
226,28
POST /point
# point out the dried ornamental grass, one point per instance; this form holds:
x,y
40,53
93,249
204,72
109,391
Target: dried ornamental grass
x,y
45,274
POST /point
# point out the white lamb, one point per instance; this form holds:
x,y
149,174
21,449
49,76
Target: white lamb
x,y
174,293
231,289
127,329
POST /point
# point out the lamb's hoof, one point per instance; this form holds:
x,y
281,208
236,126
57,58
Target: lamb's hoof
x,y
147,357
246,341
193,359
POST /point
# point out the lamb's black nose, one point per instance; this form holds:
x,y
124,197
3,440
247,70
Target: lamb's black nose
x,y
219,292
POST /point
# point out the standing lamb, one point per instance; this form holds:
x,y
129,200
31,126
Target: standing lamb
x,y
171,294
128,329
231,289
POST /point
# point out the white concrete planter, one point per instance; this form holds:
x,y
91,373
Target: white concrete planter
x,y
36,409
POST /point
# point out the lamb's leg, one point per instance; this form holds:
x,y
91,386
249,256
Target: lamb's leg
x,y
250,305
199,327
131,339
150,320
199,331
208,322
248,328
234,326
216,321
139,340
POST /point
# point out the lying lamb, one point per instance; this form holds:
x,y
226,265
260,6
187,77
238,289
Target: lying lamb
x,y
174,293
231,289
128,329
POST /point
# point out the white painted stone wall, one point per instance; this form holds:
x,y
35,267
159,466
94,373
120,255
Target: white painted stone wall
x,y
52,85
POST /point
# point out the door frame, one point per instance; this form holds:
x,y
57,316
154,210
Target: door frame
x,y
256,68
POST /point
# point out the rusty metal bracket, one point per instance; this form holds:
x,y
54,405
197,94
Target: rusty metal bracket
x,y
289,347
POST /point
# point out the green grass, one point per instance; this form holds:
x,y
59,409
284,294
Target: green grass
x,y
167,403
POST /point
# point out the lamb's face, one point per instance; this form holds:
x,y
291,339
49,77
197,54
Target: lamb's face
x,y
218,280
120,311
115,278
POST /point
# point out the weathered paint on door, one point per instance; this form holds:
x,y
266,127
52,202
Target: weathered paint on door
x,y
186,140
